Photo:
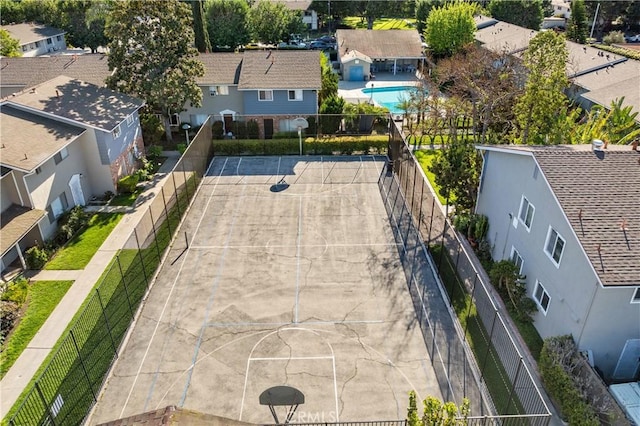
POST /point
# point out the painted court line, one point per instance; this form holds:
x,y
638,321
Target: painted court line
x,y
261,246
290,358
298,250
281,324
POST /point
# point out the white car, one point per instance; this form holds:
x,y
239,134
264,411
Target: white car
x,y
633,39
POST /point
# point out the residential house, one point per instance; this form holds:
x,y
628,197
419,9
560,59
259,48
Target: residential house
x,y
19,74
561,8
568,217
309,16
378,51
64,141
596,77
220,95
36,40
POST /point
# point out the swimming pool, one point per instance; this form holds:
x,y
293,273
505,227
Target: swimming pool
x,y
389,97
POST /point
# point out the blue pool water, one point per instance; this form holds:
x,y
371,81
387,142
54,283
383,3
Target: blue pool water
x,y
389,97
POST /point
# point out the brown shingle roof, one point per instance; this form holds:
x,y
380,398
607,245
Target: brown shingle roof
x,y
220,68
80,101
30,32
15,223
280,69
380,44
598,193
29,139
27,72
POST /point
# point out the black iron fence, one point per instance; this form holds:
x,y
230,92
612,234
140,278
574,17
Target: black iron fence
x,y
65,391
494,373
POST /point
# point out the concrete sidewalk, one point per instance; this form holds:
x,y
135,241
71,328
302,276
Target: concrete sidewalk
x,y
23,370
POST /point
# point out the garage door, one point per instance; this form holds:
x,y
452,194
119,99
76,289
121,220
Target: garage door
x,y
356,73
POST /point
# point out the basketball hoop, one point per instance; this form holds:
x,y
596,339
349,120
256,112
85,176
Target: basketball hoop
x,y
278,396
301,123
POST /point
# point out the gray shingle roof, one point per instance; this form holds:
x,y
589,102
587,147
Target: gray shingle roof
x,y
15,222
220,68
598,193
29,139
380,44
280,69
30,32
79,101
27,72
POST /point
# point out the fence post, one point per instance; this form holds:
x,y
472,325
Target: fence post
x,y
433,206
175,189
166,211
106,320
144,270
444,232
486,356
513,387
84,369
47,409
420,213
473,293
153,228
125,284
186,184
413,194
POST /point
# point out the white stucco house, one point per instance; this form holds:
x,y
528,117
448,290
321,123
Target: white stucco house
x,y
568,216
36,39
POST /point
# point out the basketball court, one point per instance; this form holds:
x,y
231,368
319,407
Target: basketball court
x,y
291,277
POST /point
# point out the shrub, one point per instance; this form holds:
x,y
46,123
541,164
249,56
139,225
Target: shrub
x,y
36,258
154,151
344,145
613,37
253,130
152,128
181,147
286,135
108,195
15,291
558,356
9,313
128,184
217,129
70,223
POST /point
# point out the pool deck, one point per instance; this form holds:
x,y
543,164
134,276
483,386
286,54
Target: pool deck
x,y
351,90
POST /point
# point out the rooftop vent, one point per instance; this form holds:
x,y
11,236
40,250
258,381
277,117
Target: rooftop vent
x,y
597,145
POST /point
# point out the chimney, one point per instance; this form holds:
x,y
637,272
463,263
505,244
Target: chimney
x,y
634,145
597,145
57,94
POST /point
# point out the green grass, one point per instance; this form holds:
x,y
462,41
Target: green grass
x,y
126,200
425,158
491,367
380,24
79,251
42,298
63,372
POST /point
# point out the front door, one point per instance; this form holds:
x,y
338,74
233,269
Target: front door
x,y
268,128
228,123
76,190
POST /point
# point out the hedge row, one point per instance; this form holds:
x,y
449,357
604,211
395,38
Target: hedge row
x,y
560,385
346,145
619,50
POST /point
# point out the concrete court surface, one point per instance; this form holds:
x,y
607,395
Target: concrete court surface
x,y
291,277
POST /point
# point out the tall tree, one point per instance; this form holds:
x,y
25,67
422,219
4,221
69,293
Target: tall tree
x,y
84,22
9,46
152,55
450,28
271,22
329,80
200,26
543,99
577,27
524,13
227,23
422,9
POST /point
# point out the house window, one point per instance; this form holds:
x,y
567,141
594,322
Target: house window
x,y
636,296
59,38
129,120
25,48
38,170
175,120
61,155
116,132
554,246
541,297
57,207
517,259
218,90
526,212
295,95
49,40
265,95
38,44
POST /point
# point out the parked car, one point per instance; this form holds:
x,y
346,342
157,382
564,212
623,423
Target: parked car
x,y
633,38
292,45
328,39
319,44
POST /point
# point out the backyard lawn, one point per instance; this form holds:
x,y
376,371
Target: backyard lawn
x,y
79,251
42,298
380,24
425,158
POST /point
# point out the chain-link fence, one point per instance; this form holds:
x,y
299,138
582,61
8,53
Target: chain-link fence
x,y
485,363
70,383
